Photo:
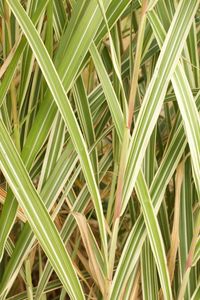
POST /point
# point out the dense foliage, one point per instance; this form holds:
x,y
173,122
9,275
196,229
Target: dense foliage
x,y
99,149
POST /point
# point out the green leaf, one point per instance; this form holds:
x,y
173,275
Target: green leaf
x,y
134,243
37,215
155,93
58,92
154,235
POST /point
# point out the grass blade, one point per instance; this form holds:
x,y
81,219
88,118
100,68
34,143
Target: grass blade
x,y
64,106
37,214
